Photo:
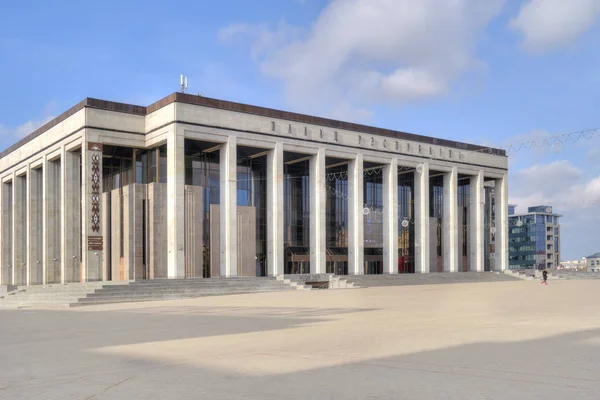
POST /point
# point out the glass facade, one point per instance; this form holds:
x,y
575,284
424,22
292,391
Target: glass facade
x,y
464,200
406,222
252,194
125,166
533,240
296,215
436,214
202,169
373,220
337,219
118,166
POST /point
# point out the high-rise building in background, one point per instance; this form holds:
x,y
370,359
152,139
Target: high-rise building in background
x,y
534,238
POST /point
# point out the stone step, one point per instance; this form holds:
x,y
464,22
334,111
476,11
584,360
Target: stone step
x,y
184,281
119,298
181,293
124,299
195,283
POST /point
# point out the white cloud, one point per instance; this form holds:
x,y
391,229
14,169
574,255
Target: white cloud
x,y
360,52
24,129
549,24
260,38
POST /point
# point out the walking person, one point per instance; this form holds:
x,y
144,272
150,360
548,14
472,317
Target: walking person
x,y
545,277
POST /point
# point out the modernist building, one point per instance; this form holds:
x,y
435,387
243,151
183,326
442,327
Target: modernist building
x,y
534,238
592,262
197,187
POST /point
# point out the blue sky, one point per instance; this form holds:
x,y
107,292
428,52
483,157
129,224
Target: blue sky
x,y
492,72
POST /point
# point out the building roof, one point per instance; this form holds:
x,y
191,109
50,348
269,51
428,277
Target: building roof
x,y
595,255
246,109
533,213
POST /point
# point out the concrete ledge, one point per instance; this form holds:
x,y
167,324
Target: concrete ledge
x,y
4,289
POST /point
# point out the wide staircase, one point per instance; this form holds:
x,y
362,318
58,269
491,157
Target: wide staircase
x,y
91,293
428,279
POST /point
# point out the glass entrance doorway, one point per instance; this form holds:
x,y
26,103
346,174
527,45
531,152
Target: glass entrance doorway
x,y
298,267
337,267
373,267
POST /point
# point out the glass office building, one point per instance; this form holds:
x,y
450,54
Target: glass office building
x,y
534,238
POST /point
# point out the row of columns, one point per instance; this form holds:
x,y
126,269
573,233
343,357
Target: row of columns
x,y
41,222
275,246
63,195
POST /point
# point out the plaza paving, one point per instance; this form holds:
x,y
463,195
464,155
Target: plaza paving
x,y
505,340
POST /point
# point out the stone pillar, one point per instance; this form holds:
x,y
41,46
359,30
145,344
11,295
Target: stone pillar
x,y
501,263
52,221
27,227
35,256
390,218
317,213
275,260
6,233
105,226
422,226
356,240
70,215
19,221
93,234
450,221
476,226
157,231
228,209
133,240
176,204
193,232
116,252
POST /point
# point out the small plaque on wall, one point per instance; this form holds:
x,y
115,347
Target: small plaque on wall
x,y
94,146
95,242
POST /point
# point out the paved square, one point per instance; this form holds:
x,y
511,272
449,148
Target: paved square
x,y
509,340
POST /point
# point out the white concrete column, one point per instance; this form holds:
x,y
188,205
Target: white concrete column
x,y
45,219
19,220
318,208
93,240
390,219
356,237
476,225
275,232
228,208
502,223
450,221
52,221
36,260
422,219
176,204
64,232
70,216
4,258
28,213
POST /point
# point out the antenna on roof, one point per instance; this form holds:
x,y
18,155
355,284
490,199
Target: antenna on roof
x,y
184,82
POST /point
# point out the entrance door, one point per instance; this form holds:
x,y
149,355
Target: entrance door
x,y
373,267
337,267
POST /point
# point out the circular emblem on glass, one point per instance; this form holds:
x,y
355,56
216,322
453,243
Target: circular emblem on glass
x,y
548,209
493,230
366,210
405,223
519,223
